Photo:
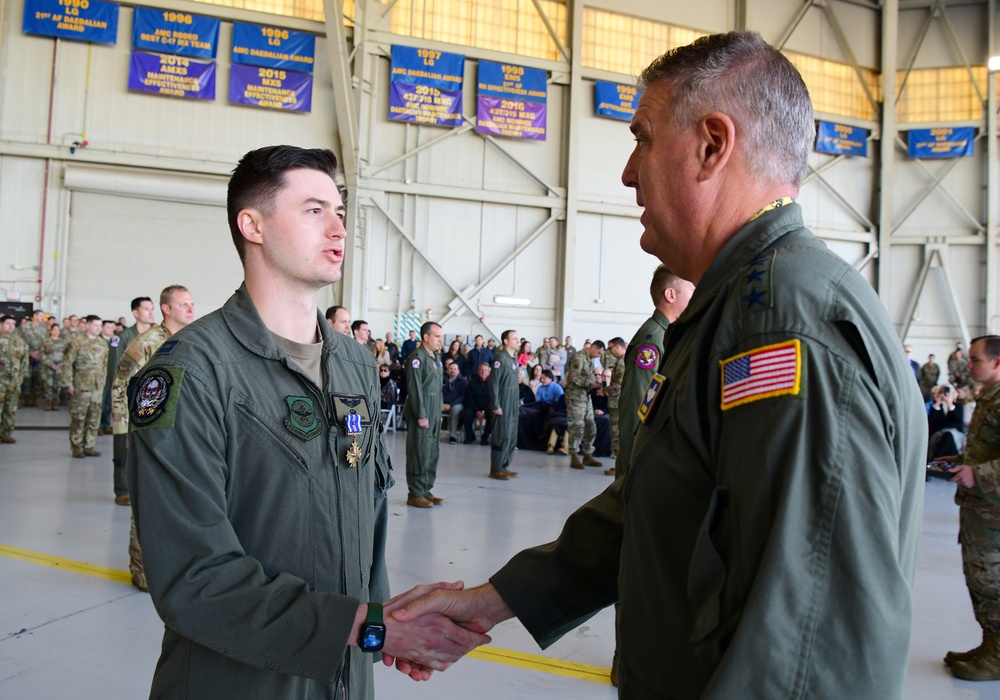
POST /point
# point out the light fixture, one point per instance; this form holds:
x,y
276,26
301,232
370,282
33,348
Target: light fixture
x,y
598,300
511,301
994,63
384,287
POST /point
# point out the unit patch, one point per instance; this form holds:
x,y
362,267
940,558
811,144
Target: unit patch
x,y
649,399
301,419
415,363
155,401
115,341
496,365
762,373
647,357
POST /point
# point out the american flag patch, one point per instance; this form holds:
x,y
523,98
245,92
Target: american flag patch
x,y
773,370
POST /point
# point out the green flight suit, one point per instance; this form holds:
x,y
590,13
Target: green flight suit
x,y
638,367
260,536
979,514
762,550
119,435
423,400
503,395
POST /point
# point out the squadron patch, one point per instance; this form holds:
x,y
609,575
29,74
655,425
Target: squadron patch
x,y
762,373
653,391
415,363
496,365
155,401
115,341
647,357
301,420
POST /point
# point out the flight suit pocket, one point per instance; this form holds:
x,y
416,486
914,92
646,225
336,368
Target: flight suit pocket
x,y
707,580
261,433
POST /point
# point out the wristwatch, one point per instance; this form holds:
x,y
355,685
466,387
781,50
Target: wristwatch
x,y
372,635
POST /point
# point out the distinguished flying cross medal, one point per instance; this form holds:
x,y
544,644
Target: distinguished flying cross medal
x,y
352,423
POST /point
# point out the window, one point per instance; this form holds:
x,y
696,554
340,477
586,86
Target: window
x,y
940,95
834,87
626,45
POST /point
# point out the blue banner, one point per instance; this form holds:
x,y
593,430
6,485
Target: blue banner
x,y
941,142
507,80
273,47
270,87
445,71
615,100
181,33
82,20
426,86
175,76
840,139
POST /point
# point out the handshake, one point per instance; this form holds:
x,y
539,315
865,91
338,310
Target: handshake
x,y
433,625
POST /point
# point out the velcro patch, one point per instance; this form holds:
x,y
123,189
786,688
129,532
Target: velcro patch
x,y
762,373
155,401
647,357
167,347
415,363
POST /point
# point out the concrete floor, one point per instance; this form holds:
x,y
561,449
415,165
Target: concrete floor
x,y
72,627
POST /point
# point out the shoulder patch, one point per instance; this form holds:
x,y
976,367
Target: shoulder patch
x,y
496,365
155,402
115,341
647,357
415,363
762,373
755,290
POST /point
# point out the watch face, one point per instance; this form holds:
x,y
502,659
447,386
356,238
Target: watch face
x,y
372,637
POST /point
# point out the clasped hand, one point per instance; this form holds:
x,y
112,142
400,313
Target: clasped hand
x,y
433,625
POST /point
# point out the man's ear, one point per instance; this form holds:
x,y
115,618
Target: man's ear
x,y
717,140
250,224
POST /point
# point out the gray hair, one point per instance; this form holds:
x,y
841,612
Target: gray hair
x,y
742,76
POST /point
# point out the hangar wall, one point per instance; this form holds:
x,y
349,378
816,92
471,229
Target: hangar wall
x,y
447,221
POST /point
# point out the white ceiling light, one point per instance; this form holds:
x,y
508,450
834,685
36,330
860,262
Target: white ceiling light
x,y
511,301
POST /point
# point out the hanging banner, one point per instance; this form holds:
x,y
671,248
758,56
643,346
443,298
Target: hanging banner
x,y
270,87
80,20
175,76
941,142
180,33
615,100
273,47
511,100
426,86
840,139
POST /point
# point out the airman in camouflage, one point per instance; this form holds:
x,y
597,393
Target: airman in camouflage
x,y
33,332
13,370
84,370
978,496
579,410
614,360
50,357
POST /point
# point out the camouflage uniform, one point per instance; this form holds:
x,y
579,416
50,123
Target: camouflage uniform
x,y
135,356
13,370
979,515
32,387
51,353
613,391
579,410
84,368
929,375
423,400
958,368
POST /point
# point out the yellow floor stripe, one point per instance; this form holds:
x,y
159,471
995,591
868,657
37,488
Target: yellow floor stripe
x,y
533,662
77,567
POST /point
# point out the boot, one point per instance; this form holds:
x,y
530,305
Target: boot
x,y
985,665
589,461
565,445
952,656
574,461
553,439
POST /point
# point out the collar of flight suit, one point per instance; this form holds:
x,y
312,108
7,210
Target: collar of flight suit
x,y
246,325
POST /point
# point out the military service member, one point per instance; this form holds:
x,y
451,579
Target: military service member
x,y
781,460
670,295
50,357
580,423
83,373
978,474
34,334
14,368
614,361
143,311
258,470
504,405
422,411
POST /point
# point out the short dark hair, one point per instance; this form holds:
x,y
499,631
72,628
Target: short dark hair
x,y
599,344
93,317
505,334
991,345
548,373
356,326
113,323
4,318
426,328
137,302
261,173
617,341
331,313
